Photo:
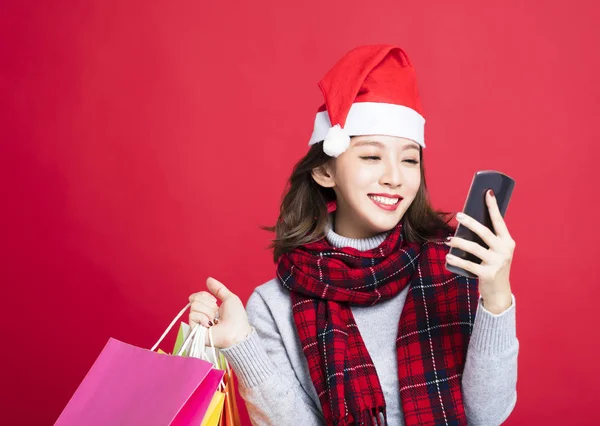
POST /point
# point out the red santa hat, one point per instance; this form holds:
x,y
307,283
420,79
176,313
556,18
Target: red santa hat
x,y
372,90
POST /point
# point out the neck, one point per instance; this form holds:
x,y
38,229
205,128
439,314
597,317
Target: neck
x,y
362,244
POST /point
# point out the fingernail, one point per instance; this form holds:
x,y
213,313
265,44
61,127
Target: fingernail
x,y
448,238
210,323
492,193
216,321
460,216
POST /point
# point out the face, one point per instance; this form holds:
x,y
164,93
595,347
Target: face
x,y
375,181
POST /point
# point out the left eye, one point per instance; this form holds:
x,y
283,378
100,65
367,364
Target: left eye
x,y
412,161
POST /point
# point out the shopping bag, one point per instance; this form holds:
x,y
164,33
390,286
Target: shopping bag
x,y
128,385
198,349
213,414
229,415
182,334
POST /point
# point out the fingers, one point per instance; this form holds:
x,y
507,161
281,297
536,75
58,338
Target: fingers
x,y
203,314
467,265
203,309
203,297
199,318
204,304
495,215
218,289
483,231
470,247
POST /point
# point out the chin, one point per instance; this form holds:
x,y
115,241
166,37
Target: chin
x,y
386,227
379,225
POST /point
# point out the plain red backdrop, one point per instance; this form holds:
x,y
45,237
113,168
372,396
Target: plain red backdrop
x,y
144,143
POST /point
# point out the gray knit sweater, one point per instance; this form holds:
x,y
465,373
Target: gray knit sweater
x,y
275,382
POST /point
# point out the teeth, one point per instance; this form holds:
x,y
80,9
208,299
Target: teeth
x,y
385,200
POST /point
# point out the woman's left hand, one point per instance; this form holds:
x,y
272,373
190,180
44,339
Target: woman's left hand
x,y
494,270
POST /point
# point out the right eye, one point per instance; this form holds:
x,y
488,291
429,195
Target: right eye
x,y
371,157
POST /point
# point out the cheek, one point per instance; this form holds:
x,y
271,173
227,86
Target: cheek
x,y
414,183
364,177
354,177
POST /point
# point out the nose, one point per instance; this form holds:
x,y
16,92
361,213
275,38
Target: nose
x,y
392,176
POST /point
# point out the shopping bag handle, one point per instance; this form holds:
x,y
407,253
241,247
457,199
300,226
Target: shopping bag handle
x,y
189,339
179,315
196,339
198,346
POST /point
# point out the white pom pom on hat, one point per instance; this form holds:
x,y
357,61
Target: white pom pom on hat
x,y
336,141
372,90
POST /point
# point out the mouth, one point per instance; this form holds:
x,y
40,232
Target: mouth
x,y
387,202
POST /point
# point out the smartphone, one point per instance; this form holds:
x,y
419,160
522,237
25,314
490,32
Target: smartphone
x,y
476,207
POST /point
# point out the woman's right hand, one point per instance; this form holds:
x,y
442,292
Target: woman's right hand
x,y
232,325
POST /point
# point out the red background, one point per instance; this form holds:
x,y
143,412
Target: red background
x,y
142,145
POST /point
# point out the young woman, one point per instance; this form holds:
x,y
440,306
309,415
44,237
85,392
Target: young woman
x,y
363,324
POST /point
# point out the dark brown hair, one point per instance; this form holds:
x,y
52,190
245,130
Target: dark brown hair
x,y
303,213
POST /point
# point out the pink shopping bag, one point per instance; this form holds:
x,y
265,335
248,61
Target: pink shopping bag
x,y
128,385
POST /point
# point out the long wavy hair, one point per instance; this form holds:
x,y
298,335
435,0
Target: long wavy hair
x,y
303,215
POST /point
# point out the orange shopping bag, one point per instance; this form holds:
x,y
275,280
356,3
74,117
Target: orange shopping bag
x,y
231,416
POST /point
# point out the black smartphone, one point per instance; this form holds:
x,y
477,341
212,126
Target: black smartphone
x,y
476,207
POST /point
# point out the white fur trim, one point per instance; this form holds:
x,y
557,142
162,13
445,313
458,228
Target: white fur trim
x,y
336,141
375,118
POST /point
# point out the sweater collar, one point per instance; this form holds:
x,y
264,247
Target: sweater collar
x,y
362,244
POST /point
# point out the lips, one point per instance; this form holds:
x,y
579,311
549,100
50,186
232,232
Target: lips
x,y
387,202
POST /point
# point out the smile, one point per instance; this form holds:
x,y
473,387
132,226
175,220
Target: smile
x,y
386,201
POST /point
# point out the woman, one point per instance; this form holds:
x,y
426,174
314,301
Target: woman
x,y
363,324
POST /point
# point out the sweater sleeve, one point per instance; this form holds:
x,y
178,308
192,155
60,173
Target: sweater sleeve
x,y
489,379
266,379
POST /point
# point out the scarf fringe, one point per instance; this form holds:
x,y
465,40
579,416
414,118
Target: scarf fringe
x,y
368,417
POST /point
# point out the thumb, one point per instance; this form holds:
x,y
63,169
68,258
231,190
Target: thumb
x,y
218,289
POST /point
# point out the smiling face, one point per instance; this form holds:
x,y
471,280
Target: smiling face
x,y
375,181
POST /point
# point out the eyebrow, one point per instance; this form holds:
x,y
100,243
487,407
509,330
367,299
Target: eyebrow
x,y
380,145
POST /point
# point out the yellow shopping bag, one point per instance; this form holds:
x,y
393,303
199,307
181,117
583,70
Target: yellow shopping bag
x,y
215,409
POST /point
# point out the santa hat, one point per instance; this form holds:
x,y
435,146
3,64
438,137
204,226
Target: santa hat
x,y
372,90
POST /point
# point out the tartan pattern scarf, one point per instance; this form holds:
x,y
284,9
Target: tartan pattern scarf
x,y
433,333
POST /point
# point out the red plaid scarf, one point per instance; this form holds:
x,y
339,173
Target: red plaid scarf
x,y
433,333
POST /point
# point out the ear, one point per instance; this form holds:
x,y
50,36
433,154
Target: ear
x,y
323,175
